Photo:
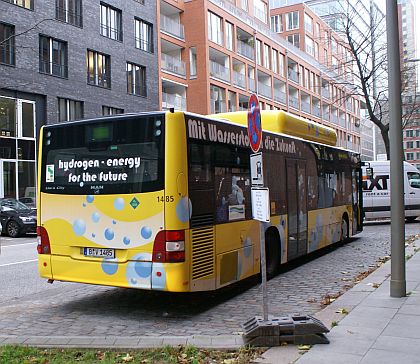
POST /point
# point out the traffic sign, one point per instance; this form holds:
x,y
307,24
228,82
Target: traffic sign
x,y
254,123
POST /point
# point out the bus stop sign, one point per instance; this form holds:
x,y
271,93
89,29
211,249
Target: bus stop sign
x,y
254,123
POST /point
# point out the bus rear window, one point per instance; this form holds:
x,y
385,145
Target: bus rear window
x,y
104,156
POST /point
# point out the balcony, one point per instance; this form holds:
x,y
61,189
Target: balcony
x,y
217,106
293,76
172,27
173,100
251,85
238,79
245,49
306,107
264,90
173,65
294,102
316,111
219,71
280,96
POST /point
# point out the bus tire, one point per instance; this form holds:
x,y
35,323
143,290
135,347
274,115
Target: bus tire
x,y
272,252
345,235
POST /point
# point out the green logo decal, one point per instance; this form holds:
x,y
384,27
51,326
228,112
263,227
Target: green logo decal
x,y
134,203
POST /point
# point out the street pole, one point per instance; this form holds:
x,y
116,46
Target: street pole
x,y
398,283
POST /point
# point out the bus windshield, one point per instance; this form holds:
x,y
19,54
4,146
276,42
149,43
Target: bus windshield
x,y
104,156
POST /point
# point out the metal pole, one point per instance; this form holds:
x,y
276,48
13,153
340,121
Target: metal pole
x,y
263,271
398,283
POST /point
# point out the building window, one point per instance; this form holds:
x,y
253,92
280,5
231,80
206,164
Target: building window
x,y
98,69
193,62
260,10
136,79
69,109
144,35
69,11
7,44
308,23
108,110
409,145
27,4
215,29
111,22
266,56
274,62
309,43
410,156
229,36
258,50
294,39
277,23
52,56
409,133
292,20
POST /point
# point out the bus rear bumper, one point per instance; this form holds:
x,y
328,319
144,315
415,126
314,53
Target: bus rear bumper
x,y
131,274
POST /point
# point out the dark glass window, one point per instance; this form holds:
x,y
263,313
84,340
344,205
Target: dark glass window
x,y
69,11
111,22
26,149
7,44
98,69
104,156
7,148
69,109
7,117
27,4
144,35
108,110
136,79
52,56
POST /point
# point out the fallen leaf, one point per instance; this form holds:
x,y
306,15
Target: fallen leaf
x,y
304,347
127,358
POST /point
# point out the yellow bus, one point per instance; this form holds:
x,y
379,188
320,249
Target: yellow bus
x,y
162,201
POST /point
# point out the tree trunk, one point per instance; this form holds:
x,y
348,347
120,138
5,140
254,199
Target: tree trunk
x,y
385,138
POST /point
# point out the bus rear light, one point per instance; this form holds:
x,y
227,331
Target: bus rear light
x,y
43,240
169,246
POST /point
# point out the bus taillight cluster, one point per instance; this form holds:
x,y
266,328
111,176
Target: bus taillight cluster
x,y
169,246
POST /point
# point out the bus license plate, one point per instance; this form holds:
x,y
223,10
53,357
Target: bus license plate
x,y
99,252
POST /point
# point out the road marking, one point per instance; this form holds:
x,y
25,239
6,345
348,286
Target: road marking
x,y
14,245
24,261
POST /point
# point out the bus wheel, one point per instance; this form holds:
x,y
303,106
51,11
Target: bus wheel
x,y
272,252
344,229
12,229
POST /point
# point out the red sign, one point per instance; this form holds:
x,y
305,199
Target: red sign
x,y
254,123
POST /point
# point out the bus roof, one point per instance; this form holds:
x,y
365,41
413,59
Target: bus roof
x,y
280,121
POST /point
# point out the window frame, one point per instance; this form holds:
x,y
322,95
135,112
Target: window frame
x,y
112,15
63,67
140,39
105,80
133,84
8,50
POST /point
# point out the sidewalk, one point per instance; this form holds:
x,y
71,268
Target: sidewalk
x,y
377,328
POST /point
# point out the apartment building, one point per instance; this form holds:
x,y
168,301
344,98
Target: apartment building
x,y
69,59
215,53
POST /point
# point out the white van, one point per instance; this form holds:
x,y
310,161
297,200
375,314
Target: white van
x,y
377,187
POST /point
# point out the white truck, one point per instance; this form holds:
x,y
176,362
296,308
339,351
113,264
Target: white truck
x,y
377,190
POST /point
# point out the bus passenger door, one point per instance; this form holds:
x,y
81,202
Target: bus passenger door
x,y
296,209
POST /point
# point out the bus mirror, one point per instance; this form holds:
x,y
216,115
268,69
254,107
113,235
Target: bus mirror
x,y
369,172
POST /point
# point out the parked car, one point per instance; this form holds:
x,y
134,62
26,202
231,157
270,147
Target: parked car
x,y
29,201
16,218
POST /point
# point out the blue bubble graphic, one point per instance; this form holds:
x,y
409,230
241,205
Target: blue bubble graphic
x,y
90,198
83,204
126,240
158,282
143,269
184,209
93,235
146,232
79,227
114,222
247,251
109,267
109,234
96,217
119,203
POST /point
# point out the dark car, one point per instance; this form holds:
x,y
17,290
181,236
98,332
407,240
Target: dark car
x,y
16,218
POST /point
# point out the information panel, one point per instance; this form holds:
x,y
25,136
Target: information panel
x,y
260,204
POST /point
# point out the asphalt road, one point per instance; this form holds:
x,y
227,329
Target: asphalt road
x,y
30,306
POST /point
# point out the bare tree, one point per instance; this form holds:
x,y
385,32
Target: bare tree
x,y
363,63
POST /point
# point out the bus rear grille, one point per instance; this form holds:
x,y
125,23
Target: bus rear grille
x,y
202,220
202,252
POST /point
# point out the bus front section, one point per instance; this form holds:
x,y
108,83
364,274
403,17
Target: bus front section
x,y
102,199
